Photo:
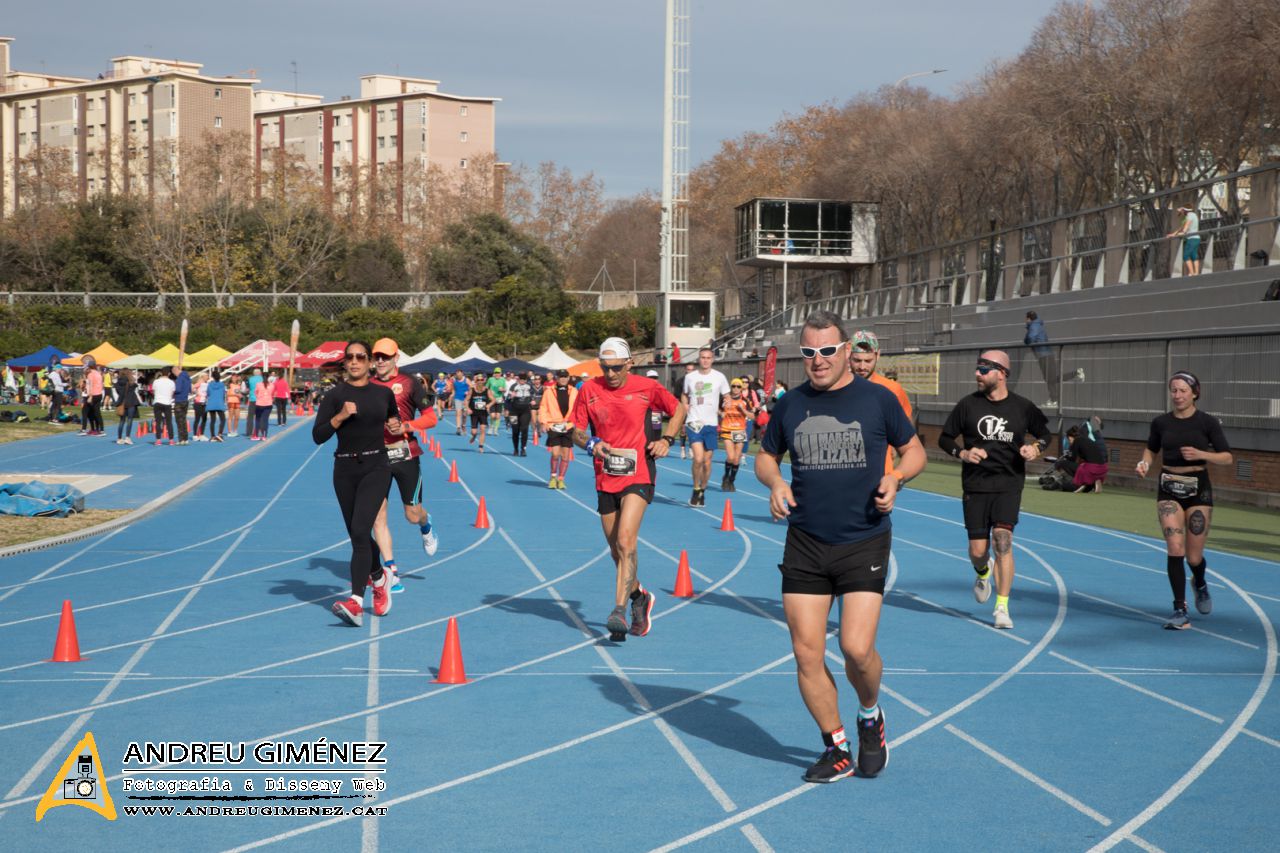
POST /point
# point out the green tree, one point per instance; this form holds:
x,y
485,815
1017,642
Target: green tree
x,y
485,249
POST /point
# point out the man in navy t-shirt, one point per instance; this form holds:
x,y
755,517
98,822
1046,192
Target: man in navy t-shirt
x,y
837,428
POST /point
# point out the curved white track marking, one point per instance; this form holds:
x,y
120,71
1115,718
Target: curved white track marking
x,y
41,576
928,724
77,555
257,614
310,656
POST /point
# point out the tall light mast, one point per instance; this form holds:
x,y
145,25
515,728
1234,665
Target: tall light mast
x,y
675,151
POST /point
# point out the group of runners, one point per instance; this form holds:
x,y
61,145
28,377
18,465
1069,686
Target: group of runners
x,y
848,436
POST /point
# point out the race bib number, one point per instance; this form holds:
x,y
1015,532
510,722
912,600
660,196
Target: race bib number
x,y
620,462
561,427
1179,486
694,426
738,436
398,452
513,419
479,404
655,418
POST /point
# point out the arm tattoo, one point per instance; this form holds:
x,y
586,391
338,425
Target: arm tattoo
x,y
1003,540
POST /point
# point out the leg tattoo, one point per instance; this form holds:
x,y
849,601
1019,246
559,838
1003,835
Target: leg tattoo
x,y
1197,524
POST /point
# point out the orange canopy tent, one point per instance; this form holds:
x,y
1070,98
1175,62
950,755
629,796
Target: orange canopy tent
x,y
591,367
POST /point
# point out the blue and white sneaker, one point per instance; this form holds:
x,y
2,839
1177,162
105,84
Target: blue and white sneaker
x,y
430,542
1179,621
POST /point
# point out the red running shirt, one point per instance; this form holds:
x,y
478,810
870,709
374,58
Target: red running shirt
x,y
411,398
619,417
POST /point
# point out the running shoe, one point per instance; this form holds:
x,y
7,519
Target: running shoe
x,y
481,449
616,624
396,586
1204,601
128,440
349,611
381,596
430,542
834,764
560,482
873,752
693,498
524,452
1002,619
472,440
551,484
982,584
641,608
1179,621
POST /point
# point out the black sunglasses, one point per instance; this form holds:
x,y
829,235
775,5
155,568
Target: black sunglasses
x,y
612,368
356,356
826,352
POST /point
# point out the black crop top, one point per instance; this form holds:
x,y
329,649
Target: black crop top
x,y
362,432
1170,434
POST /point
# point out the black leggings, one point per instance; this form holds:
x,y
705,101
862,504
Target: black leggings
x,y
91,413
361,488
281,408
520,429
217,422
198,426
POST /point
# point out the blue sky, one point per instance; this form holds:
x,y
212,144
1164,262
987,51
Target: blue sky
x,y
580,82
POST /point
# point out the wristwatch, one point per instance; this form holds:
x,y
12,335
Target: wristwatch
x,y
669,439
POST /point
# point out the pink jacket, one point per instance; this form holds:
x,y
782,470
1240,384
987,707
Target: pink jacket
x,y
281,389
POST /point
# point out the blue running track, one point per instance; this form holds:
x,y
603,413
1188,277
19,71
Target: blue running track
x,y
207,620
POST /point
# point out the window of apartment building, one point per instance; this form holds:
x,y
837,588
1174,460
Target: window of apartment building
x,y
217,121
133,98
337,172
462,111
391,140
382,115
462,137
217,94
337,145
337,121
382,142
91,130
22,139
22,112
462,164
133,126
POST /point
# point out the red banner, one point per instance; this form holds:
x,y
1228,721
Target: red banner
x,y
770,371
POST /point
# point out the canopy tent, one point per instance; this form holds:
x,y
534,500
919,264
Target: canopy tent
x,y
103,353
473,365
38,360
431,366
431,352
591,367
516,365
474,352
274,353
555,359
207,357
138,362
168,354
328,352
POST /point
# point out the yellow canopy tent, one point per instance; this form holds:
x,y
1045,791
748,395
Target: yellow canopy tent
x,y
207,357
104,353
167,353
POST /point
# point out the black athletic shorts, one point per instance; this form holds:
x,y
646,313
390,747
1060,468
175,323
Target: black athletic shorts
x,y
479,419
812,567
1203,490
608,503
559,439
408,476
985,510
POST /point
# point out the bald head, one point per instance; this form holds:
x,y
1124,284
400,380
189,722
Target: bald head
x,y
997,357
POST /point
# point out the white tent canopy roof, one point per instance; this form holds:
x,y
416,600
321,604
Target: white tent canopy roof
x,y
555,359
474,351
432,351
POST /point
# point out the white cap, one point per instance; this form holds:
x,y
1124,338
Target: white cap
x,y
652,373
616,348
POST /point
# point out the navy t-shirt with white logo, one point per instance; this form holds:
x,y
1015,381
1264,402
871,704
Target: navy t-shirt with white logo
x,y
837,440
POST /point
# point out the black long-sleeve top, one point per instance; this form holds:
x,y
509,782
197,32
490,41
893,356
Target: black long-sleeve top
x,y
362,432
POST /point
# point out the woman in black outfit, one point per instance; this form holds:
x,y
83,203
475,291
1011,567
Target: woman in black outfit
x,y
358,411
127,387
1187,440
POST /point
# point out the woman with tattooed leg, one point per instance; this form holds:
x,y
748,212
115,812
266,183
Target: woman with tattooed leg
x,y
1188,440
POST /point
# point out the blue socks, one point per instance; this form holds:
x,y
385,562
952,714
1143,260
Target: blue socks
x,y
868,713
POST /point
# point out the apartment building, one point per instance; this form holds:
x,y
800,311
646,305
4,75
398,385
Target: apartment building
x,y
120,132
396,123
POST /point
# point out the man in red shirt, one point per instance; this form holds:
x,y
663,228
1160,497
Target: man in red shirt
x,y
403,451
616,407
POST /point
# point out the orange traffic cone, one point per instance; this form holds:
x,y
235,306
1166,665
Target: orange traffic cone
x,y
453,471
726,523
684,583
66,649
535,438
482,516
438,453
451,669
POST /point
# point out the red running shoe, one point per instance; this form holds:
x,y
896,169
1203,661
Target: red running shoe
x,y
381,596
349,611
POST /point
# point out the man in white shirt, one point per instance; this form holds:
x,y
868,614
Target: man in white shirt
x,y
162,391
701,394
1189,231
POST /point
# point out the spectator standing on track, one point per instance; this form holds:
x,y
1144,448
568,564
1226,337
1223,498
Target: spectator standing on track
x,y
162,391
837,428
251,415
359,413
280,393
519,413
616,407
557,404
864,358
994,423
701,395
216,406
262,396
236,389
127,387
181,399
91,413
200,399
1188,441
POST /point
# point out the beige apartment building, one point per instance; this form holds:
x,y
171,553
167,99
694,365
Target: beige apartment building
x,y
120,132
396,124
124,131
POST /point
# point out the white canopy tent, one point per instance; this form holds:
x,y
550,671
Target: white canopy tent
x,y
474,351
555,359
432,351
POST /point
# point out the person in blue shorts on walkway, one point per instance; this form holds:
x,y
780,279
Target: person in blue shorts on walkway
x,y
836,428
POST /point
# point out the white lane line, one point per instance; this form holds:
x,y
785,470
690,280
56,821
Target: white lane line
x,y
1220,746
77,555
757,840
1003,632
930,723
1156,618
1270,741
51,753
1143,843
1138,688
1039,782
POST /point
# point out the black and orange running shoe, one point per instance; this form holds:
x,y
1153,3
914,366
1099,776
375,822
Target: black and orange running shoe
x,y
834,764
641,609
873,752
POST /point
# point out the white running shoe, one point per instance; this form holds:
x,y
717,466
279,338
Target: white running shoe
x,y
1002,618
430,542
982,584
